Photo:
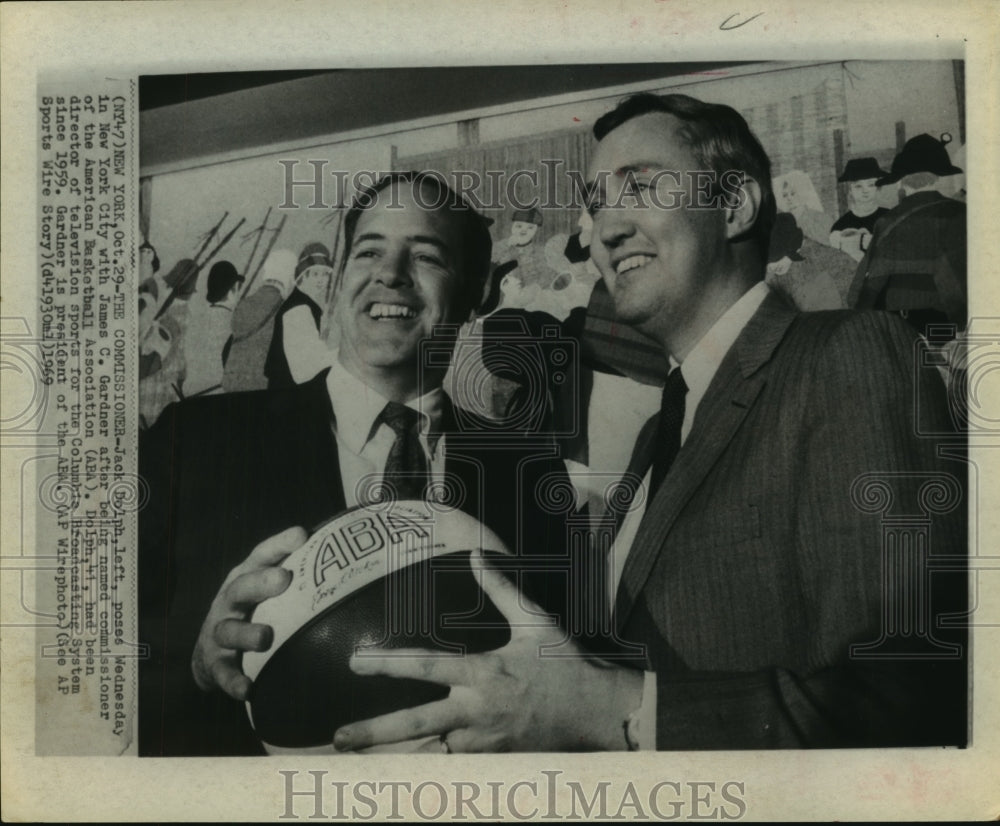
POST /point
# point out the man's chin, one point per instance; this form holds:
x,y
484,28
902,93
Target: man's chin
x,y
634,316
388,354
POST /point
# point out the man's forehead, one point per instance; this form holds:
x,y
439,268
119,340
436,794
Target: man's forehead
x,y
401,211
647,142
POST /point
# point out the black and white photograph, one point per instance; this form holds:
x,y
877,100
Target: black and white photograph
x,y
712,549
507,433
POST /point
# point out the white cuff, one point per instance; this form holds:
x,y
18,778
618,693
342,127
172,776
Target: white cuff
x,y
640,726
646,735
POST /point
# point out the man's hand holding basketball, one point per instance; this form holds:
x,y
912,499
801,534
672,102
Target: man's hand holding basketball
x,y
227,631
511,699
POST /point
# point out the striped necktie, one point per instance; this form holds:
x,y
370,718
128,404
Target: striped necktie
x,y
406,469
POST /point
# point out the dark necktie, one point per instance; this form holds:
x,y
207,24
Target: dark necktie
x,y
668,432
656,446
406,467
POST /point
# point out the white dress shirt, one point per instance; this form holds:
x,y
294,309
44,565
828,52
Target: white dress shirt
x,y
612,428
363,454
698,369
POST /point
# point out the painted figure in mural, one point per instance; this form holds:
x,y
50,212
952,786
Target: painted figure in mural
x,y
210,327
796,196
795,193
569,256
524,246
852,231
152,289
161,368
789,272
916,263
297,352
168,319
253,324
149,265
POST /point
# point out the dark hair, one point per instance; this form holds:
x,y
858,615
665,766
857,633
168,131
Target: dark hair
x,y
719,138
477,245
221,279
145,245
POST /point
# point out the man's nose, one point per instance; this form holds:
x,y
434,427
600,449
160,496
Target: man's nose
x,y
395,270
614,225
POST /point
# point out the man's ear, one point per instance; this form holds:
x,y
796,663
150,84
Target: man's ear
x,y
743,208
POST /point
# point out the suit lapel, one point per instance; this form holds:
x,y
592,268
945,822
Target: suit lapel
x,y
733,391
461,463
303,447
325,414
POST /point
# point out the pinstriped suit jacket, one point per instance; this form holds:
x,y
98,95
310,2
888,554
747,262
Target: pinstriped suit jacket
x,y
756,569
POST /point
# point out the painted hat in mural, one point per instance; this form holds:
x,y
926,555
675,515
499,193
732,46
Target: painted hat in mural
x,y
786,238
861,169
924,153
528,216
221,279
279,270
314,254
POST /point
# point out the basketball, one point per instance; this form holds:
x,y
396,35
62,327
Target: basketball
x,y
389,576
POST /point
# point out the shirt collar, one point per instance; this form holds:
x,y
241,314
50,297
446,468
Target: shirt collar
x,y
356,406
704,359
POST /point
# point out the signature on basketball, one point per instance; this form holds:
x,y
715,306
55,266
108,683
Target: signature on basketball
x,y
324,596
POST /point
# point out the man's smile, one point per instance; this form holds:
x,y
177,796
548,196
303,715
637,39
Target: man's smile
x,y
380,310
632,262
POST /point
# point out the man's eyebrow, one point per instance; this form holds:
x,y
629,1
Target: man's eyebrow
x,y
638,166
429,239
596,186
415,239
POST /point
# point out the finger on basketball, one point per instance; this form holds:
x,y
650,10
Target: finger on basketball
x,y
243,636
414,663
250,589
433,718
274,549
230,679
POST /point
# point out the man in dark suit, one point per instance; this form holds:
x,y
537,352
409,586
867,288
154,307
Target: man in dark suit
x,y
792,562
254,471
